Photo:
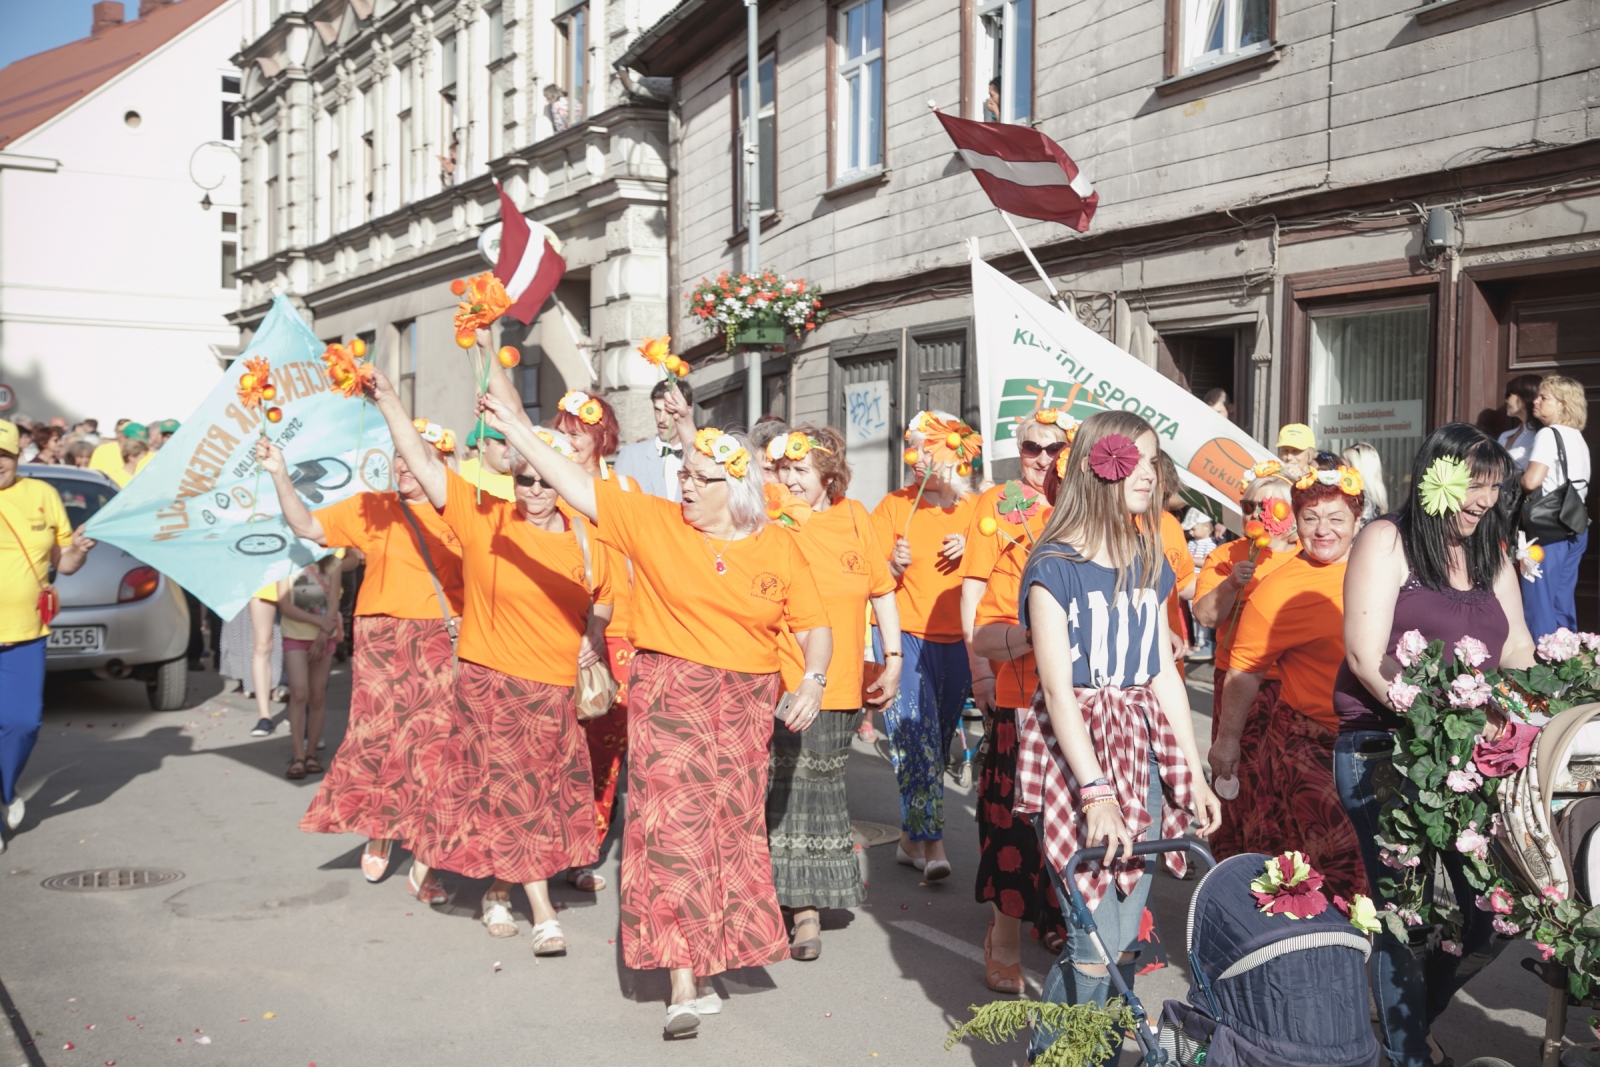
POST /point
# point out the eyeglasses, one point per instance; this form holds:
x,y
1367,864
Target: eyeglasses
x,y
1249,507
700,482
1031,449
528,481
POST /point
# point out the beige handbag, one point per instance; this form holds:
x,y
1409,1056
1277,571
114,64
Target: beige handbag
x,y
597,687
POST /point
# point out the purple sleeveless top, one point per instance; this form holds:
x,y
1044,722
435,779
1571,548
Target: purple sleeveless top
x,y
1439,615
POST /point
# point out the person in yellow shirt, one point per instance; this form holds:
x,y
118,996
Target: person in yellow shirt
x,y
487,470
34,536
132,452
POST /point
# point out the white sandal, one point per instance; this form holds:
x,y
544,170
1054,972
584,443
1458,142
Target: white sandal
x,y
546,936
906,859
706,1001
682,1018
497,913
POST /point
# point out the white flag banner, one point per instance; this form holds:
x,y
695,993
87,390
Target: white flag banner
x,y
1032,355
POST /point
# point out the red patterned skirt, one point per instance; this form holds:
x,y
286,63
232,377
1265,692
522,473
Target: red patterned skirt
x,y
513,798
401,709
608,738
696,873
1296,805
1230,838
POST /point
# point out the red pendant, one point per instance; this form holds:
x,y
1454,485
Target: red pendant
x,y
722,568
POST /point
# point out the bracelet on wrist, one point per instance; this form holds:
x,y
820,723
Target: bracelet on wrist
x,y
1102,801
896,655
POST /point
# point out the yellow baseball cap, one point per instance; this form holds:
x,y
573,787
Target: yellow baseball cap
x,y
10,438
1296,435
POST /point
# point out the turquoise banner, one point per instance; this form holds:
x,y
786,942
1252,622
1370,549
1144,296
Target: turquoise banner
x,y
204,513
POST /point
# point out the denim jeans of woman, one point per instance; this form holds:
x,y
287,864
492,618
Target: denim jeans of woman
x,y
1117,920
1411,991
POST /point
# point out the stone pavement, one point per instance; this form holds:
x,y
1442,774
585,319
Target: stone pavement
x,y
272,950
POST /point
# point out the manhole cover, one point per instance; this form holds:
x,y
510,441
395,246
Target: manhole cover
x,y
112,878
866,834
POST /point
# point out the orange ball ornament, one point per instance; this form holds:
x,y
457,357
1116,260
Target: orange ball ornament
x,y
509,357
466,339
358,348
247,381
987,526
963,469
683,370
269,392
458,286
952,440
1536,553
274,414
673,363
911,456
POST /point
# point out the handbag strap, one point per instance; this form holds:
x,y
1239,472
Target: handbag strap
x,y
43,585
1561,452
583,546
427,558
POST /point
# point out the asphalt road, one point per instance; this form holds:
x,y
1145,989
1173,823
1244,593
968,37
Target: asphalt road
x,y
272,949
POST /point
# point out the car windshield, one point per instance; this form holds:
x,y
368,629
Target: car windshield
x,y
81,496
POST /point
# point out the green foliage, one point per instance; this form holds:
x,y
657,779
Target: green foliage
x,y
1087,1033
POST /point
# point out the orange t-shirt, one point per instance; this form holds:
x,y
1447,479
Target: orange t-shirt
x,y
983,551
396,582
1295,619
621,578
682,607
527,598
1175,546
1016,680
1217,566
849,567
929,595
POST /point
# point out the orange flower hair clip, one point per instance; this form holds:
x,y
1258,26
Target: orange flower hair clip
x,y
1264,469
1348,479
794,446
581,404
483,299
348,374
435,435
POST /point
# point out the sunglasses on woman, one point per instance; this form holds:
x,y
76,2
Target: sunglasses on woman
x,y
1032,449
528,481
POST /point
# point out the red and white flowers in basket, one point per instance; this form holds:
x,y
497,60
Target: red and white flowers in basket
x,y
731,302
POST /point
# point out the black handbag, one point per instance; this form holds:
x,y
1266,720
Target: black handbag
x,y
1559,514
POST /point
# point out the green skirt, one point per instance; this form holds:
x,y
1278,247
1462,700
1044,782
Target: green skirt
x,y
808,823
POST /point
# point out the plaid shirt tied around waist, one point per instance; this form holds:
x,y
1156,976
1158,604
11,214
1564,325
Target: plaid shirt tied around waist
x,y
1125,727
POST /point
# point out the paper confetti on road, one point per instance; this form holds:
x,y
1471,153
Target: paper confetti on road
x,y
202,1041
270,1015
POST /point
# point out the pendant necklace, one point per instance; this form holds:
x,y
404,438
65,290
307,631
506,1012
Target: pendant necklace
x,y
722,568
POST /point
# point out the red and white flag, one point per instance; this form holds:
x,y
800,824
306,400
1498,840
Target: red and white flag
x,y
1024,172
527,266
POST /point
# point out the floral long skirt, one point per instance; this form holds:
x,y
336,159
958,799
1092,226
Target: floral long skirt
x,y
1011,873
1230,838
401,709
607,739
696,873
514,798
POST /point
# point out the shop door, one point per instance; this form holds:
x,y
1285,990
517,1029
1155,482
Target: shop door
x,y
865,405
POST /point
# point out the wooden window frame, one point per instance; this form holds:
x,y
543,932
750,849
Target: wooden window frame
x,y
972,92
836,10
1174,52
741,219
565,65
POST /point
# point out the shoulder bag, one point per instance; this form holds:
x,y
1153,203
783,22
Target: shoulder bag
x,y
597,687
450,623
49,599
1560,514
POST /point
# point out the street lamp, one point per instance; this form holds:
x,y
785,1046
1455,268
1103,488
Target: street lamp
x,y
205,200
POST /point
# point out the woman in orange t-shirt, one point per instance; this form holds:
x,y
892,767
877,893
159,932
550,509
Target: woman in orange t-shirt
x,y
513,799
716,590
808,824
401,691
1227,578
1294,621
591,426
1010,876
926,548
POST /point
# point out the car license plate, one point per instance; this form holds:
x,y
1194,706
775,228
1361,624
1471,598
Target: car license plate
x,y
75,638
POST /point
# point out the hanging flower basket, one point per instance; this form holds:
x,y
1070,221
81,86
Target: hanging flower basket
x,y
756,309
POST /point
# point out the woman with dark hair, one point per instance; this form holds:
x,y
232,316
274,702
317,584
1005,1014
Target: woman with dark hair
x,y
1437,566
1123,765
1559,456
1293,623
1521,392
590,425
808,824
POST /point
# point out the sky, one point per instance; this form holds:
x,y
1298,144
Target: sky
x,y
29,26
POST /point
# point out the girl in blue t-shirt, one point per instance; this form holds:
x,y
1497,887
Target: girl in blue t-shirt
x,y
1107,751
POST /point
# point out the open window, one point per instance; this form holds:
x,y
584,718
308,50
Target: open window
x,y
1004,57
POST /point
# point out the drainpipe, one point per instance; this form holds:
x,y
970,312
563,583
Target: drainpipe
x,y
752,189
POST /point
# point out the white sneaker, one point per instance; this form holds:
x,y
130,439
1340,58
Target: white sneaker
x,y
707,1003
14,812
682,1018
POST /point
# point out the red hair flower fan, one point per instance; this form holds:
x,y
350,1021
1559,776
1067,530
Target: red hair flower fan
x,y
1113,457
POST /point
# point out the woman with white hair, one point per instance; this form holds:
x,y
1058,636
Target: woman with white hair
x,y
512,798
1364,458
716,589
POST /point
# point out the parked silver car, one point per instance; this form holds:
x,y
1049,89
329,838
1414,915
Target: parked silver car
x,y
119,618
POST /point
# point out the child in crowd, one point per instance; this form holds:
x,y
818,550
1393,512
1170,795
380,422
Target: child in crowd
x,y
1198,527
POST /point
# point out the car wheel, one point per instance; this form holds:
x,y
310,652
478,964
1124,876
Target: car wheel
x,y
170,685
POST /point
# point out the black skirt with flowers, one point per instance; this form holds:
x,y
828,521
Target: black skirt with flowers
x,y
1010,868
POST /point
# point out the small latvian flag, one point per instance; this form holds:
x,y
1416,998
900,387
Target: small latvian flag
x,y
1024,172
528,266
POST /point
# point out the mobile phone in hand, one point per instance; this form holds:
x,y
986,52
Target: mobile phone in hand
x,y
781,712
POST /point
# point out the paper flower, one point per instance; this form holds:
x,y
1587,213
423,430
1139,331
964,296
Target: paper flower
x,y
1113,457
738,464
1289,886
949,441
783,507
1409,649
1278,518
1061,464
918,423
1016,506
255,384
795,446
704,437
655,350
557,441
1362,913
1444,486
1263,469
578,403
1048,416
347,375
1331,477
483,301
1529,555
1351,483
1306,481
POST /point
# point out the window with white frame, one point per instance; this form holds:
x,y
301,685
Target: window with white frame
x,y
573,28
369,155
860,88
407,133
449,140
497,33
274,213
766,143
1215,31
1005,60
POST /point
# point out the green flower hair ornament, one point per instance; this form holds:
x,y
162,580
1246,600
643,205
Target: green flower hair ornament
x,y
1444,487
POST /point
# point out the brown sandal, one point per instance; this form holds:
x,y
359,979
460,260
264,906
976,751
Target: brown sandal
x,y
297,769
808,948
313,765
1000,977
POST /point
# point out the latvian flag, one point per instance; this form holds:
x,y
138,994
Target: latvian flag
x,y
1024,172
528,267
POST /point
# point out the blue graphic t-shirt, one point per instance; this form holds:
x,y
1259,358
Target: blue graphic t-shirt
x,y
1115,635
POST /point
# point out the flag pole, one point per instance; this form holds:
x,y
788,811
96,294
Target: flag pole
x,y
1048,284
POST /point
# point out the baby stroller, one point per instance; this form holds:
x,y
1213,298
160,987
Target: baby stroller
x,y
1267,990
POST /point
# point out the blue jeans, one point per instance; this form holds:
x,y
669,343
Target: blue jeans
x,y
21,709
1550,603
1410,992
921,722
1116,917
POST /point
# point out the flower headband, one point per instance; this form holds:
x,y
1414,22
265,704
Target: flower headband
x,y
793,446
1265,469
1113,457
556,441
436,435
723,449
1348,479
581,404
1444,487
